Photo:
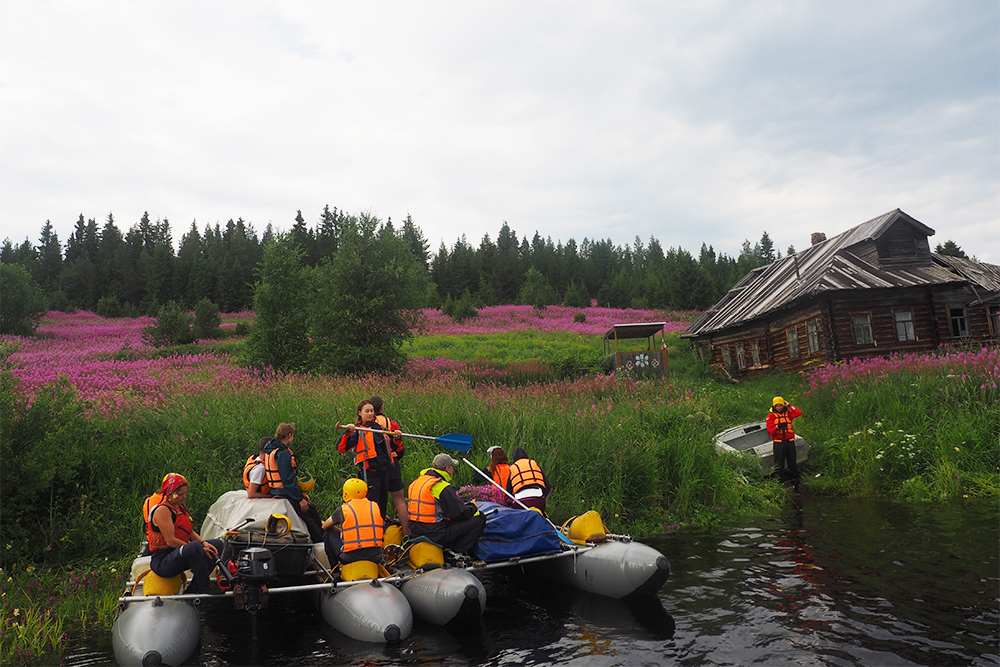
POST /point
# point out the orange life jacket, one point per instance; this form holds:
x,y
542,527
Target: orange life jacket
x,y
395,444
248,468
422,506
271,473
365,449
524,472
182,527
362,525
147,508
781,419
501,473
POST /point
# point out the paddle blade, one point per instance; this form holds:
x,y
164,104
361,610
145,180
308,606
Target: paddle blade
x,y
461,442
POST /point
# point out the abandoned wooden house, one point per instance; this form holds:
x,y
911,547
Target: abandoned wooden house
x,y
873,290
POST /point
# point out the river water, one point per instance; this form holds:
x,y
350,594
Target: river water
x,y
822,582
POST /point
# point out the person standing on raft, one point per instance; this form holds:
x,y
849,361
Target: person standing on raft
x,y
779,427
355,529
175,545
372,453
395,484
527,482
436,511
281,470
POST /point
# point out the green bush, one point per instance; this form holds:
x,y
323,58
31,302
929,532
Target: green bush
x,y
44,448
23,304
207,320
173,327
109,306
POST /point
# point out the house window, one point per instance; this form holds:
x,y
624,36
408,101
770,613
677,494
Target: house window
x,y
995,320
725,358
793,343
812,335
863,329
755,353
959,324
740,359
904,326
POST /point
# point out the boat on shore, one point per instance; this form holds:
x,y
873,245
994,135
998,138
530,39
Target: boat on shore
x,y
754,439
154,627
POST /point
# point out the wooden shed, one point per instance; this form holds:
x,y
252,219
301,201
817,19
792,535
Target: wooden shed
x,y
651,360
873,290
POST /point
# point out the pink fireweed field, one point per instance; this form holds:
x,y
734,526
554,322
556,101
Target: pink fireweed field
x,y
502,319
81,347
976,369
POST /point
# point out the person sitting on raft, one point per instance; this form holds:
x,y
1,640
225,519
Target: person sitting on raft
x,y
372,453
499,467
527,482
175,545
354,530
281,471
254,479
436,511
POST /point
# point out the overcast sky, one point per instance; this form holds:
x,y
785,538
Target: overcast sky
x,y
689,122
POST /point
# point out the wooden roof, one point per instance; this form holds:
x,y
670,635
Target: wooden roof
x,y
832,266
636,330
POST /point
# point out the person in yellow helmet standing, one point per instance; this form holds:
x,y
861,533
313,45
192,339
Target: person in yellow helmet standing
x,y
779,427
354,531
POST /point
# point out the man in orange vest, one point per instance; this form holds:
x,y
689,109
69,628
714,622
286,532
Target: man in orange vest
x,y
354,531
395,482
436,511
779,427
281,471
527,482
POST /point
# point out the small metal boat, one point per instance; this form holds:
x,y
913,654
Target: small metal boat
x,y
753,438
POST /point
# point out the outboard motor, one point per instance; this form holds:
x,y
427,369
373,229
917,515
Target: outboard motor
x,y
255,567
254,570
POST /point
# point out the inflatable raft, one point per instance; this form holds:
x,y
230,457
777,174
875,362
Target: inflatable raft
x,y
157,625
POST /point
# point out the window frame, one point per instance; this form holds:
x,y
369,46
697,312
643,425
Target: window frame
x,y
909,331
993,315
961,320
726,359
812,336
755,353
741,360
792,338
866,328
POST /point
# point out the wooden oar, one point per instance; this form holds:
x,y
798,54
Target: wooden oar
x,y
458,441
523,506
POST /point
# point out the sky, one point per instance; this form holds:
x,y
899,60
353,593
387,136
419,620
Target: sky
x,y
689,122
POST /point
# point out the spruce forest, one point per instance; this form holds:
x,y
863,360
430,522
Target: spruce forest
x,y
102,269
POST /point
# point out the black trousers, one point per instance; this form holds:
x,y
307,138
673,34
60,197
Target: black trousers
x,y
784,456
459,536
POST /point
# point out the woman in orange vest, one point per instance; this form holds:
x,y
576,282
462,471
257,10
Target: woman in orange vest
x,y
779,427
175,545
372,453
354,531
499,467
527,482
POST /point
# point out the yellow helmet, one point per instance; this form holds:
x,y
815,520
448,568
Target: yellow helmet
x,y
778,400
306,482
355,488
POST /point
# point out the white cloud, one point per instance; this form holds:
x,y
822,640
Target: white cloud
x,y
690,122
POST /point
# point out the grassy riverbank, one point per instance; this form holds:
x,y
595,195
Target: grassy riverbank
x,y
637,450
